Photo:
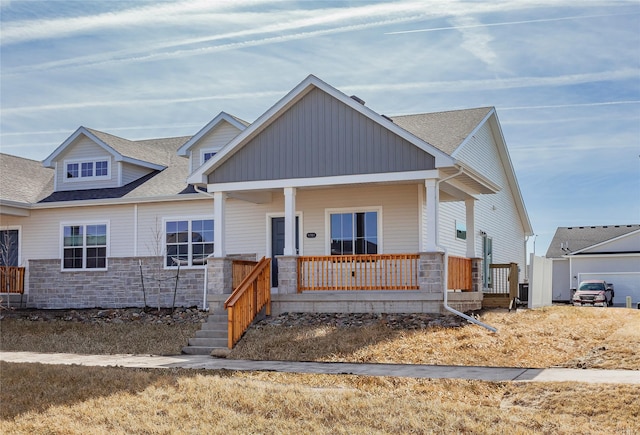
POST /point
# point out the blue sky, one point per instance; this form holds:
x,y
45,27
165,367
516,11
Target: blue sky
x,y
564,77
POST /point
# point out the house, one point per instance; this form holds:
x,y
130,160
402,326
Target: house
x,y
359,211
610,252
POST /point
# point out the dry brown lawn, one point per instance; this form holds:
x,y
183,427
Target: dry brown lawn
x,y
49,399
75,400
555,336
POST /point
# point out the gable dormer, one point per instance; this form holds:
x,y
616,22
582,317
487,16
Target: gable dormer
x,y
211,139
90,159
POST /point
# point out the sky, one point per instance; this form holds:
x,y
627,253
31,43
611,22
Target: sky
x,y
564,77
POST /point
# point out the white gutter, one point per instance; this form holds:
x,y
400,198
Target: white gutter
x,y
445,278
206,268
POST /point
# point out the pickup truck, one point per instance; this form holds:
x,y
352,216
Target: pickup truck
x,y
594,293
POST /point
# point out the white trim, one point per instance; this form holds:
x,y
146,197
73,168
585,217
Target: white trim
x,y
19,229
602,255
325,181
189,219
114,201
327,223
135,230
84,224
80,178
421,205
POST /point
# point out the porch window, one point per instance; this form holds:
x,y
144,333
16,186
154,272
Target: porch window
x,y
84,246
461,230
188,242
354,233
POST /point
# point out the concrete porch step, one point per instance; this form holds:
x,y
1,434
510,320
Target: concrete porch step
x,y
212,336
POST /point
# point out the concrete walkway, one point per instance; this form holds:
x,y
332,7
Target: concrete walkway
x,y
494,374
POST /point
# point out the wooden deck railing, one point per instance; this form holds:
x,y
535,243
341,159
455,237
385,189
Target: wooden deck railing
x,y
504,280
459,274
248,299
358,272
12,279
240,269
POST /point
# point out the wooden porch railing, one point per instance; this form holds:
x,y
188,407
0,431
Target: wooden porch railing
x,y
248,299
504,280
358,272
459,274
240,269
12,279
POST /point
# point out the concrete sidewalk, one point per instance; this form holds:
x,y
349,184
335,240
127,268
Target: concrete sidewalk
x,y
494,374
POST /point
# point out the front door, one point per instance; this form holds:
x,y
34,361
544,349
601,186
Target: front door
x,y
277,245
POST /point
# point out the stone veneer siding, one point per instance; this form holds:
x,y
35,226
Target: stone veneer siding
x,y
431,272
118,287
287,274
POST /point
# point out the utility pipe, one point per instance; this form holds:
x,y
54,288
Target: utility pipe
x,y
446,273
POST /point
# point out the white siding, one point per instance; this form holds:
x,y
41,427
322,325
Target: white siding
x,y
248,223
496,214
214,140
628,243
132,173
85,149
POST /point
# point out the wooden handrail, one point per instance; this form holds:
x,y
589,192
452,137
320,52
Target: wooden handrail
x,y
247,300
12,279
358,272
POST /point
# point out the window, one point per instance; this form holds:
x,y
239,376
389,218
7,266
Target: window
x,y
84,246
87,169
188,242
207,155
354,233
461,230
9,241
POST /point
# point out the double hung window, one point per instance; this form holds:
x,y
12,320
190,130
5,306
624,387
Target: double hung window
x,y
84,246
188,242
354,233
86,169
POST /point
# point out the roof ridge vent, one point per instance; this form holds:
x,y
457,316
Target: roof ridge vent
x,y
358,99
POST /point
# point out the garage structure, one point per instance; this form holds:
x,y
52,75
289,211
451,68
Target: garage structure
x,y
610,252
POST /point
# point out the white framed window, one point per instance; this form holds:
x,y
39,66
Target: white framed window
x,y
78,170
354,231
10,246
188,242
84,246
461,230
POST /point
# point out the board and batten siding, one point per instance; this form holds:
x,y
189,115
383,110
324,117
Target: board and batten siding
x,y
320,136
214,140
495,214
84,149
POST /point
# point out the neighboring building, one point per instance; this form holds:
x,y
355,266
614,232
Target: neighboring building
x,y
317,175
610,252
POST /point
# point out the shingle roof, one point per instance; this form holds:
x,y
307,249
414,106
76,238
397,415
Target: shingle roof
x,y
139,150
574,239
444,130
167,182
24,180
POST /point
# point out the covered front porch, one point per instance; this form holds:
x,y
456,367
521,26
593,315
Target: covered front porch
x,y
350,247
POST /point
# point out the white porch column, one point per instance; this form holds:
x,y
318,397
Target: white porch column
x,y
433,200
219,200
469,205
289,221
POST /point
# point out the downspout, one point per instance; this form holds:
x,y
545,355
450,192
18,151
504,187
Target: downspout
x,y
445,278
206,269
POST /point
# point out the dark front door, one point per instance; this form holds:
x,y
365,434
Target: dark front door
x,y
277,245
